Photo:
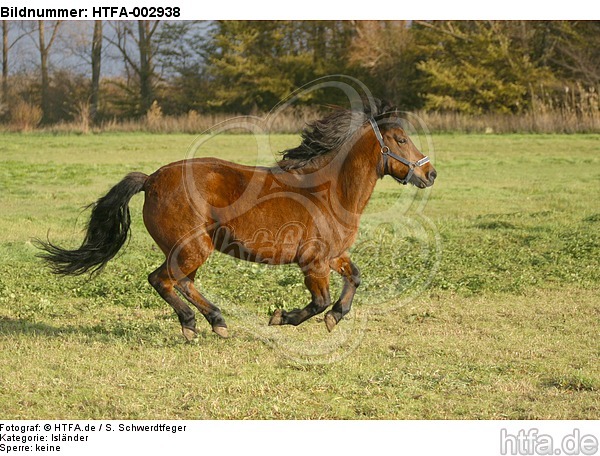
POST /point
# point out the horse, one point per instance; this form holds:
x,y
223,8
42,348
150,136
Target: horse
x,y
303,210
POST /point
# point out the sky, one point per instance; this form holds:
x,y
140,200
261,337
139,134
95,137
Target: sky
x,y
70,51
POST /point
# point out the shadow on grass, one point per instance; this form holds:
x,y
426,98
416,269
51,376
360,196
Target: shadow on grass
x,y
572,382
15,327
114,330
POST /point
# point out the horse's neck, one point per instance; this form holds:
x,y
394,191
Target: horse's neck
x,y
358,176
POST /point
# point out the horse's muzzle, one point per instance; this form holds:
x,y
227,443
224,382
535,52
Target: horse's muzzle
x,y
431,175
424,182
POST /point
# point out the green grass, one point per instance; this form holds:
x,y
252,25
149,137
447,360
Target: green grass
x,y
479,297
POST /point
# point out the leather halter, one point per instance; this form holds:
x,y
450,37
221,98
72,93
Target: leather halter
x,y
386,152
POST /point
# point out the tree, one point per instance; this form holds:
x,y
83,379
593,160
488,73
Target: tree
x,y
479,66
4,61
179,46
252,65
44,45
386,51
85,46
96,54
577,52
6,47
138,57
146,66
181,60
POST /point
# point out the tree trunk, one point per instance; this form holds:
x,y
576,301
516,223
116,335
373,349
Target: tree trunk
x,y
44,70
320,43
146,66
96,64
5,61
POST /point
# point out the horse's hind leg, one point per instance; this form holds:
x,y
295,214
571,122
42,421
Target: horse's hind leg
x,y
351,276
164,283
211,312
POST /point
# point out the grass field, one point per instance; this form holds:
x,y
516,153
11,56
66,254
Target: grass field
x,y
480,298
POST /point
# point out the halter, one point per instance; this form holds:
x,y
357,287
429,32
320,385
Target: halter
x,y
386,152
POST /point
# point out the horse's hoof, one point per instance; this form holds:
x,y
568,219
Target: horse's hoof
x,y
330,321
221,331
276,318
188,333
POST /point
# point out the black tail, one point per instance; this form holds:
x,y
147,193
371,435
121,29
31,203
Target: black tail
x,y
106,233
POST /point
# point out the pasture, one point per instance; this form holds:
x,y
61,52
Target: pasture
x,y
480,298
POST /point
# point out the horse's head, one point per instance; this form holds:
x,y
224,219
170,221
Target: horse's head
x,y
400,158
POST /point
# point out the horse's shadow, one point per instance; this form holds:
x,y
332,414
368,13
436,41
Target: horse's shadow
x,y
18,326
98,332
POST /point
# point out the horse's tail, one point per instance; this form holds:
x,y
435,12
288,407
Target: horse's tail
x,y
107,231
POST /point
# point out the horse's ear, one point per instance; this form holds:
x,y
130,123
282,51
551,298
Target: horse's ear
x,y
383,110
387,109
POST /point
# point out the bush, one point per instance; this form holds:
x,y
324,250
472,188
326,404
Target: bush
x,y
25,116
154,117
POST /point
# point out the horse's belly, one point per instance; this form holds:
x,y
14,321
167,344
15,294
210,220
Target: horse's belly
x,y
261,246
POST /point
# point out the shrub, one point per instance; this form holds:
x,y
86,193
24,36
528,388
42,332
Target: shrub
x,y
25,116
154,117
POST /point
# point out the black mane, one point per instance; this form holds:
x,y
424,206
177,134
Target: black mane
x,y
331,132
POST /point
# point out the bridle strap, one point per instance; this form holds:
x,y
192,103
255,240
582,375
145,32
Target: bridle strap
x,y
386,152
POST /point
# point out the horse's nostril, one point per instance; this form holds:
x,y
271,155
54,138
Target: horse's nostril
x,y
432,175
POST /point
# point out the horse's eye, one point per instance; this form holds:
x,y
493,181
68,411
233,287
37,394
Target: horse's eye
x,y
402,141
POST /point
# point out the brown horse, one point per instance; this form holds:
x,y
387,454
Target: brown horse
x,y
305,210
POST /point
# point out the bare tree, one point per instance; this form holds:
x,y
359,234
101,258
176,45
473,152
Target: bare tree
x,y
577,54
6,47
44,45
4,61
96,65
87,49
386,50
146,68
142,65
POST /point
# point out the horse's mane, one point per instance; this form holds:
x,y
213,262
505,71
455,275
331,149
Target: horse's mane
x,y
328,134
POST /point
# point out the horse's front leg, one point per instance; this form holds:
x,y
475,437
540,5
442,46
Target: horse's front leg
x,y
317,282
351,276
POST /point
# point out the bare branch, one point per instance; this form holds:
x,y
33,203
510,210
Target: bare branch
x,y
121,45
54,34
449,31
